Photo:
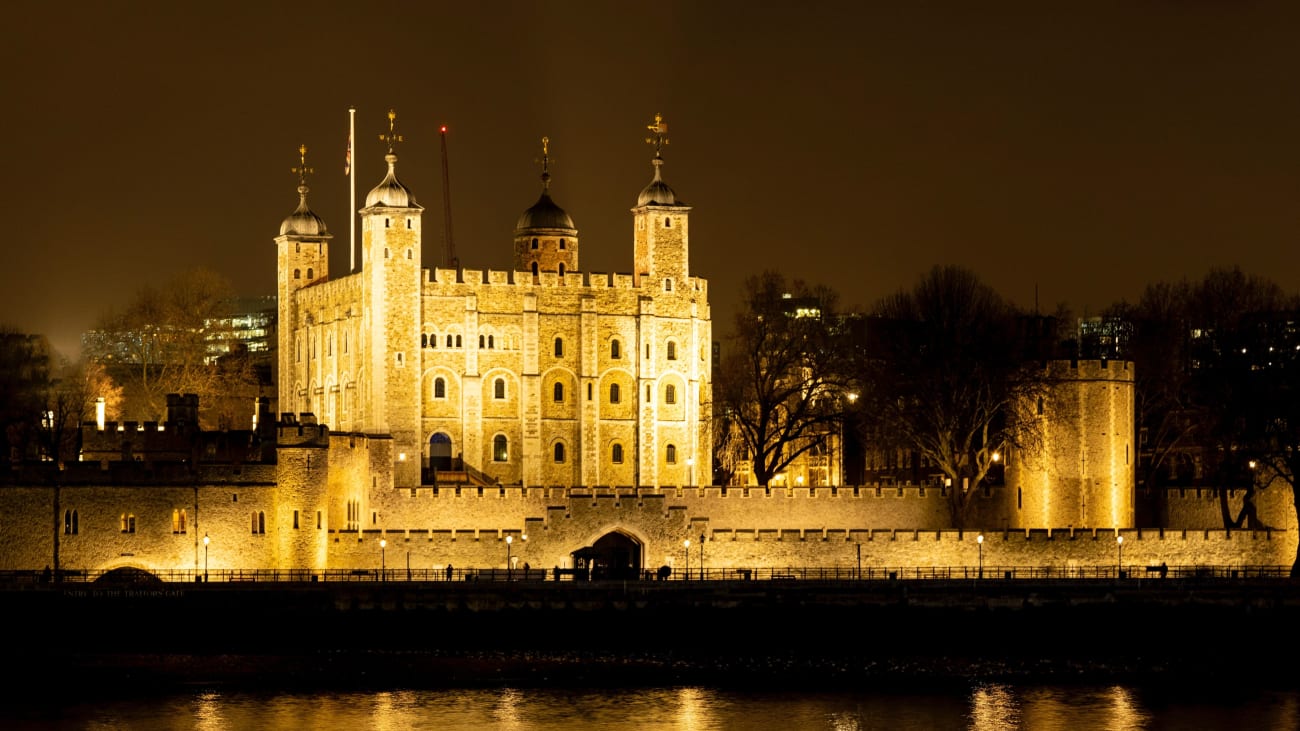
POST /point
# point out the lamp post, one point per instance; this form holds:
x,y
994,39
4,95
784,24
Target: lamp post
x,y
206,540
1119,556
686,550
509,540
383,558
979,540
701,557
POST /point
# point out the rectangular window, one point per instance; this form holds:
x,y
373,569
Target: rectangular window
x,y
317,520
295,519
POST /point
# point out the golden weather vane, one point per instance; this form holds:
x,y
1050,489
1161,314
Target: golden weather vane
x,y
302,171
546,157
392,137
660,130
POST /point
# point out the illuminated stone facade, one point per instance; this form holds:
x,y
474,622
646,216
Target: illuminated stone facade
x,y
427,416
546,375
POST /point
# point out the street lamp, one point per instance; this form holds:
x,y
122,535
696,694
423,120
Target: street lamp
x,y
1119,556
509,540
686,549
206,540
383,558
979,540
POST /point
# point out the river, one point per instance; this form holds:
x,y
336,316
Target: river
x,y
979,706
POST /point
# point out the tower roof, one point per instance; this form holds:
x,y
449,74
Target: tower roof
x,y
545,213
657,193
390,193
303,222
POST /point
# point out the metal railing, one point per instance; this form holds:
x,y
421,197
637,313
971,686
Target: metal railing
x,y
730,574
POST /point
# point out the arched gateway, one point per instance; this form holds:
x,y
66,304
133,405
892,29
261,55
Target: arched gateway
x,y
614,555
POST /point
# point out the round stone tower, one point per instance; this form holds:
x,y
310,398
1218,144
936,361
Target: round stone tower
x,y
545,239
1076,466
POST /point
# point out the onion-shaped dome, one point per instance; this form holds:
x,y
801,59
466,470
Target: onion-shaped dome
x,y
303,222
657,193
391,193
544,214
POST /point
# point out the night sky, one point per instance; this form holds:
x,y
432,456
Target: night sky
x,y
1080,150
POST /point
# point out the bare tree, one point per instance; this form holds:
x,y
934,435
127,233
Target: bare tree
x,y
946,372
168,340
25,368
70,401
782,377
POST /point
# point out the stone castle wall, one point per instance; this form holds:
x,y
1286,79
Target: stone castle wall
x,y
803,527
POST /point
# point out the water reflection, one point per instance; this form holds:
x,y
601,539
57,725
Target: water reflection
x,y
983,707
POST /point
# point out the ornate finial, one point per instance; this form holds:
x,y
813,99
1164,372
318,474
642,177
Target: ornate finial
x,y
302,171
660,130
392,137
546,162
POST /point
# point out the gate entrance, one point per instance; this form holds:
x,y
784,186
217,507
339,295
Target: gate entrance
x,y
613,556
440,452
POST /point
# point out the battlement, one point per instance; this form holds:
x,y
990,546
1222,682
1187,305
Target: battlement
x,y
301,430
596,281
1092,370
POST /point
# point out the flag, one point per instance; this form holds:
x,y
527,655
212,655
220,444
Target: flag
x,y
347,165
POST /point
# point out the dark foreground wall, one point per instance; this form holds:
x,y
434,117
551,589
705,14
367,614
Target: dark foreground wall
x,y
416,630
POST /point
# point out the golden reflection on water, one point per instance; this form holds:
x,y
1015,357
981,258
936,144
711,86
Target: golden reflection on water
x,y
993,708
208,715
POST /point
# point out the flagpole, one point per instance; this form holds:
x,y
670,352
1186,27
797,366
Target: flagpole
x,y
352,205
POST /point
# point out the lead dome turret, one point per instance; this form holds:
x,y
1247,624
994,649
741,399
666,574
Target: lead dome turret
x,y
303,221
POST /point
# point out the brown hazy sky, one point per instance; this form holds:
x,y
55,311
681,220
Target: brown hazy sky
x,y
1080,149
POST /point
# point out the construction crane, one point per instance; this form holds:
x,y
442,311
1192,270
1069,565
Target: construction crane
x,y
452,261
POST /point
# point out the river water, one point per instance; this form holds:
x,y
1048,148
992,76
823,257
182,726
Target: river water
x,y
980,706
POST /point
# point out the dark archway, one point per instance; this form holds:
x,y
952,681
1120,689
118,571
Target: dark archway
x,y
440,452
613,556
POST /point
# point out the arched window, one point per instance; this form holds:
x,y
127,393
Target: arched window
x,y
458,341
297,274
670,394
439,388
559,452
613,393
559,391
310,273
534,246
668,285
670,454
500,449
559,347
433,340
561,244
491,342
499,388
615,350
259,523
672,350
534,269
448,340
668,222
424,340
70,526
482,340
616,453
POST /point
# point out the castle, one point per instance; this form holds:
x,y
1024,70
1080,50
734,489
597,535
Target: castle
x,y
558,418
